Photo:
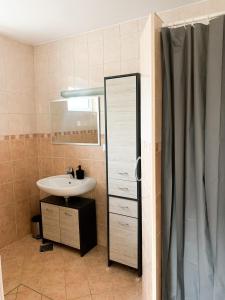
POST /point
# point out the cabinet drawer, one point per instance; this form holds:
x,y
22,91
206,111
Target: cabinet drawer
x,y
69,219
120,257
122,188
70,237
123,239
51,232
123,223
122,170
123,207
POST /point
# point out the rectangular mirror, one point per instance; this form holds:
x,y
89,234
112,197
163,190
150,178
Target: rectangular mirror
x,y
75,121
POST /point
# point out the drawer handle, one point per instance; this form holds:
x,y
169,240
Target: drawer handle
x,y
123,189
123,173
48,210
123,207
124,224
67,214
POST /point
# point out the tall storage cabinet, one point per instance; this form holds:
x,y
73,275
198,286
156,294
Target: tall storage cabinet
x,y
123,150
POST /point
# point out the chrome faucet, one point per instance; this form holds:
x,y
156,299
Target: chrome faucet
x,y
70,171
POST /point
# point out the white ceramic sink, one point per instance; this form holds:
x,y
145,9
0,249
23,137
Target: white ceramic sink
x,y
63,185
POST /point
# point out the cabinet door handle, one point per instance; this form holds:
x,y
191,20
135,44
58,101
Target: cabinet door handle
x,y
68,214
123,189
123,207
124,224
123,173
136,175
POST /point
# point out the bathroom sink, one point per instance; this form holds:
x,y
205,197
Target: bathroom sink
x,y
65,186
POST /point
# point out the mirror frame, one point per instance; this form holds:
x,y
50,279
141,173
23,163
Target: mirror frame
x,y
98,124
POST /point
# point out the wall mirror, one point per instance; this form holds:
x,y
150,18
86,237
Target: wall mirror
x,y
75,121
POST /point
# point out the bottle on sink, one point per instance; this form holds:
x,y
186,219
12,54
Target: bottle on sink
x,y
80,173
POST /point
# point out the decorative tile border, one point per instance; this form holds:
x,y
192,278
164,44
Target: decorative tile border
x,y
47,135
76,132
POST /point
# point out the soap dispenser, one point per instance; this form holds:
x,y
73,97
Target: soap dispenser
x,y
80,173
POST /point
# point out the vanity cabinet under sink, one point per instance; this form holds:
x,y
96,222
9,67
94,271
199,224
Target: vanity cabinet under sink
x,y
72,224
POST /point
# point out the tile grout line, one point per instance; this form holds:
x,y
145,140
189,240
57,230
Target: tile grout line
x,y
24,285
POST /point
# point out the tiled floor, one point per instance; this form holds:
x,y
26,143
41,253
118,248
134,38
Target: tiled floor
x,y
62,274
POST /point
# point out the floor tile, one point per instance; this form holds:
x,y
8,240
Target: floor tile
x,y
54,291
10,297
107,296
28,295
14,291
62,274
77,289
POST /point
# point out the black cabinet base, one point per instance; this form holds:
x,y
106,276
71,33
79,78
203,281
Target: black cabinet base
x,y
87,220
82,253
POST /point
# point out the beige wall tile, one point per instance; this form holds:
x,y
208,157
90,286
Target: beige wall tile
x,y
29,79
96,76
58,150
23,215
4,151
45,167
112,45
6,172
3,102
130,46
129,27
44,147
20,170
112,68
31,147
4,124
21,190
130,66
7,225
58,166
6,194
17,148
95,50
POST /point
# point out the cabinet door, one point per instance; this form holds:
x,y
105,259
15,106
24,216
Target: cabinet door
x,y
121,115
123,239
121,135
121,94
69,227
50,222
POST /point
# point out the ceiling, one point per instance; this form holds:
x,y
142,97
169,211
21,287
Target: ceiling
x,y
40,21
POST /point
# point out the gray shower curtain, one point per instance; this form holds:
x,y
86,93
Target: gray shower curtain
x,y
193,162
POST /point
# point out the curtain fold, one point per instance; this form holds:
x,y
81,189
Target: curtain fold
x,y
193,162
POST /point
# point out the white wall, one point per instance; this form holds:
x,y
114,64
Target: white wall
x,y
151,91
147,138
191,11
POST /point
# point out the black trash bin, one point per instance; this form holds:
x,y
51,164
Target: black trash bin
x,y
36,227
